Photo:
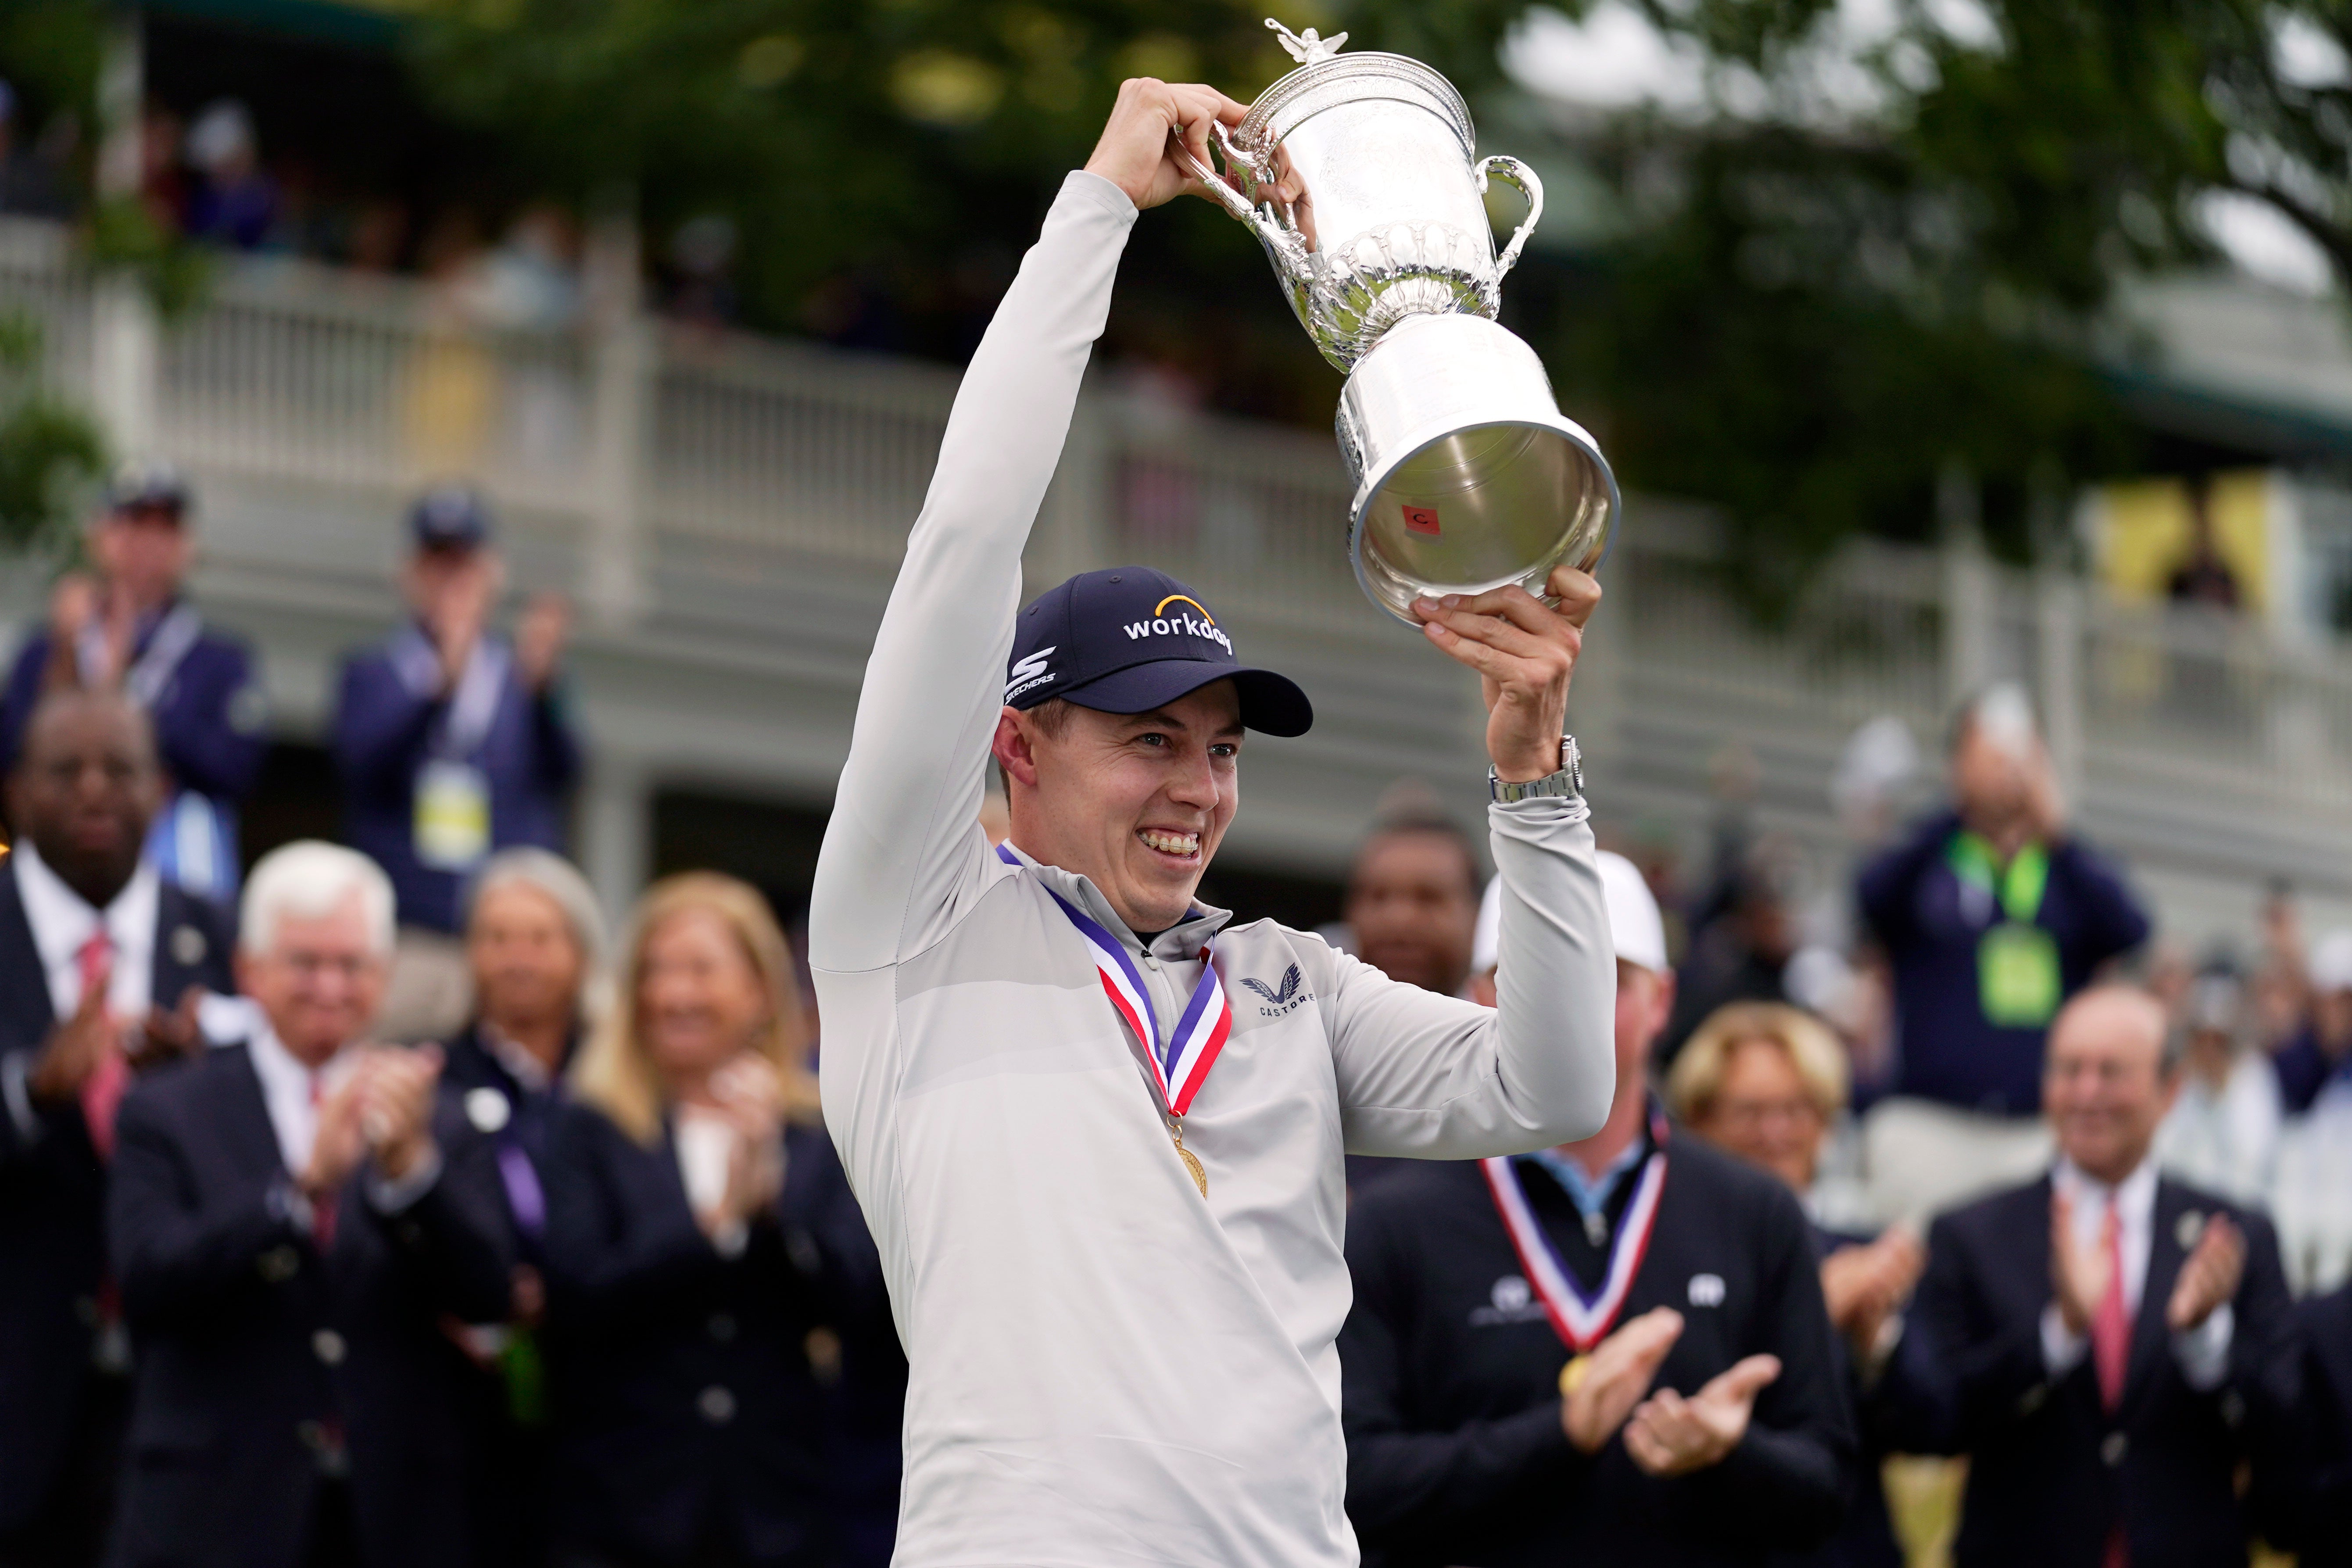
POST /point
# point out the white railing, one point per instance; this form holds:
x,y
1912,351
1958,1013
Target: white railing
x,y
632,434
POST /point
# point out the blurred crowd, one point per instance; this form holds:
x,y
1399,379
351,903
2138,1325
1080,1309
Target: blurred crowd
x,y
1961,1161
208,178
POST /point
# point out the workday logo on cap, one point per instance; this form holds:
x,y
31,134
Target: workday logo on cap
x,y
1180,624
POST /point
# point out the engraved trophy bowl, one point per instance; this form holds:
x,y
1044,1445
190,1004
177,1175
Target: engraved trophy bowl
x,y
1467,477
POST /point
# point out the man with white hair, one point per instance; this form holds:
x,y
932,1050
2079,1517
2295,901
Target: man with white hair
x,y
2111,1349
290,1220
1613,1351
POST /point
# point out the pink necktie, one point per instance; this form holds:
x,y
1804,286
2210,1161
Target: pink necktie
x,y
2111,1352
103,1091
2110,1324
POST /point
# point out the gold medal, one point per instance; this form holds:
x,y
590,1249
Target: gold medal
x,y
1192,1161
1572,1375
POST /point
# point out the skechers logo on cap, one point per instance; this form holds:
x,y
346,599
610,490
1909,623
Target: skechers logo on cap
x,y
1163,625
1027,673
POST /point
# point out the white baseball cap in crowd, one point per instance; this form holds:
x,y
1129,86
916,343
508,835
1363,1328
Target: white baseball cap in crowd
x,y
2331,961
1635,927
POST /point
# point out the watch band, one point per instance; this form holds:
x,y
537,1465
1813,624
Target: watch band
x,y
1568,784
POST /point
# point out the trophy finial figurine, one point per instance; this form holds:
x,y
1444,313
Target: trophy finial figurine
x,y
1308,47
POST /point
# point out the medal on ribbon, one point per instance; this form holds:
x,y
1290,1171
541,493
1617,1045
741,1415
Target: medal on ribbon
x,y
1180,1064
1582,1321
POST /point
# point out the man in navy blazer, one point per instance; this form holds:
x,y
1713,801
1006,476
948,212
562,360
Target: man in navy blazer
x,y
2109,1346
133,630
102,959
452,741
2318,1497
293,1220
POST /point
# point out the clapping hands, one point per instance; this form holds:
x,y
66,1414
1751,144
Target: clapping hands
x,y
384,1108
1666,1433
750,1095
1618,1376
1865,1285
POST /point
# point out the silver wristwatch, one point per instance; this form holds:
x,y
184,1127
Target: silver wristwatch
x,y
1566,785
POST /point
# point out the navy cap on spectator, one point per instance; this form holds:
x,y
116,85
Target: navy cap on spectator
x,y
1128,639
146,485
449,517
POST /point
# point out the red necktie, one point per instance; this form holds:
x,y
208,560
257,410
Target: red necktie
x,y
103,1091
2110,1324
323,1207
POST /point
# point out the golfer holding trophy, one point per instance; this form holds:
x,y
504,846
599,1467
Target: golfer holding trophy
x,y
1098,1130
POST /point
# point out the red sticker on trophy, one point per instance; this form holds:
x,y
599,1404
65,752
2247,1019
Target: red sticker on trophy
x,y
1421,519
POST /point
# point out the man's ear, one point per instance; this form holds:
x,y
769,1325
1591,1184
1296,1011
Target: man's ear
x,y
1013,747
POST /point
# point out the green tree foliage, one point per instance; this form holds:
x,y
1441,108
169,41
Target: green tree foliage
x,y
1833,303
49,52
886,156
50,451
1810,310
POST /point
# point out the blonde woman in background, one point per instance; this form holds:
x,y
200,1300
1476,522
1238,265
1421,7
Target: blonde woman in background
x,y
699,1231
1765,1081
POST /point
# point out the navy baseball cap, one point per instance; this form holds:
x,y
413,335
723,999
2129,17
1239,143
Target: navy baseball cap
x,y
147,486
449,517
1127,639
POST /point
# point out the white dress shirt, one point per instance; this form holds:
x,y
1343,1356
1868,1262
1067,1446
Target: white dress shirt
x,y
63,922
2203,1351
293,1105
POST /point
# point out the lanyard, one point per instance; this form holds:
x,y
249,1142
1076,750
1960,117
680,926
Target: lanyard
x,y
168,643
1181,1062
1582,1321
2018,887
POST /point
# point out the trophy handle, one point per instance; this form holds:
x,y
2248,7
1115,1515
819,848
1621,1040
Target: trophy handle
x,y
1522,179
1232,200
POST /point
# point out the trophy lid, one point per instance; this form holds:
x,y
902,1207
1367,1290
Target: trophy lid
x,y
1325,78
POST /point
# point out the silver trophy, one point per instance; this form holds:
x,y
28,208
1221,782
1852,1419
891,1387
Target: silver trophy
x,y
1467,477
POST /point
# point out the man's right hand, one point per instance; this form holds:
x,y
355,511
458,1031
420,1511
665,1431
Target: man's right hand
x,y
2078,1275
1623,1367
168,1037
459,609
341,1139
1864,1285
75,1048
1134,152
73,603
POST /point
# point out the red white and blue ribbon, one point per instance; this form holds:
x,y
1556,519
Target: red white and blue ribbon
x,y
1179,1063
1582,1321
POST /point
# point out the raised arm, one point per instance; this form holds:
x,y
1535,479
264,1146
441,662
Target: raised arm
x,y
1434,1077
1428,1076
902,845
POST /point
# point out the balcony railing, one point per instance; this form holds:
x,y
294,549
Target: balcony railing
x,y
2203,735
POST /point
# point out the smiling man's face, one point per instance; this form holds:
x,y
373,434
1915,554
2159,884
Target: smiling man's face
x,y
1138,803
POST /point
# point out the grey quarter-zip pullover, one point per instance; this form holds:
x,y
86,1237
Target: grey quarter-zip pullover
x,y
1107,1369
